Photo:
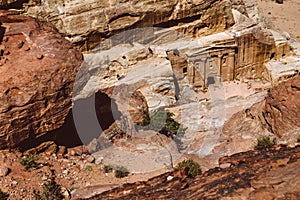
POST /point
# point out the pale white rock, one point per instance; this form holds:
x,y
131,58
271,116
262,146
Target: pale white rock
x,y
286,67
99,160
225,165
65,172
169,178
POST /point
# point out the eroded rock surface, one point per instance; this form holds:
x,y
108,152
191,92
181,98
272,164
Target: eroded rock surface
x,y
37,70
282,107
87,23
278,114
250,175
173,70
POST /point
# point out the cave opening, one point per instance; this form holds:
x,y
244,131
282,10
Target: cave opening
x,y
67,135
272,55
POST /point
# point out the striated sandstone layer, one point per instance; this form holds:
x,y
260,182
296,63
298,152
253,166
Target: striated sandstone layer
x,y
37,70
86,23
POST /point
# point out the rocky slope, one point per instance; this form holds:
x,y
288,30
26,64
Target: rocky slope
x,y
37,70
250,175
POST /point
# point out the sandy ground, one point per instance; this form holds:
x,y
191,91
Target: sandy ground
x,y
285,17
73,172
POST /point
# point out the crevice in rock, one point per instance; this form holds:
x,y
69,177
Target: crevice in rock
x,y
2,32
120,16
172,23
67,135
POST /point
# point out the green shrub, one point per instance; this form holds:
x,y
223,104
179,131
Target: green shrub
x,y
265,142
3,195
162,122
29,161
121,172
89,168
108,168
51,190
193,167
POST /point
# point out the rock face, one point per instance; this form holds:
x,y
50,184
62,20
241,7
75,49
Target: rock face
x,y
236,56
285,67
87,23
37,70
282,107
249,175
278,114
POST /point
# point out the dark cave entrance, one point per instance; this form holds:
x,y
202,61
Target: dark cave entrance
x,y
68,136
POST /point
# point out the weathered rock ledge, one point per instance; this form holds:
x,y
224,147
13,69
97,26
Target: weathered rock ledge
x,y
89,22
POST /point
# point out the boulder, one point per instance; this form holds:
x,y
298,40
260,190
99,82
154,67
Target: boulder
x,y
4,171
37,70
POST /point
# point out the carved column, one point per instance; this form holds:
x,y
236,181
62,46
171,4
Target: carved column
x,y
231,65
220,67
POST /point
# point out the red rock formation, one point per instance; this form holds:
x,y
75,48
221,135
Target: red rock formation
x,y
249,175
282,108
278,113
37,70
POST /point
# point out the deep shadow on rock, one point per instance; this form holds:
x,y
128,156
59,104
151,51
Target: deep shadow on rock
x,y
106,112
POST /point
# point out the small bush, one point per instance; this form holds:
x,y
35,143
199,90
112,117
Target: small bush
x,y
3,195
265,142
89,168
108,168
30,161
193,167
51,190
162,122
121,172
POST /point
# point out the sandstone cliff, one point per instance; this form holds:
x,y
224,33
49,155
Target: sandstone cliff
x,y
37,69
87,23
